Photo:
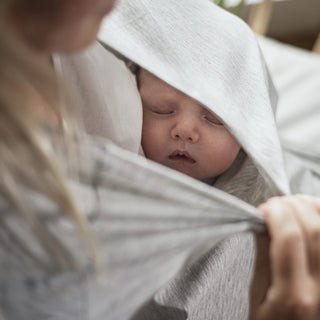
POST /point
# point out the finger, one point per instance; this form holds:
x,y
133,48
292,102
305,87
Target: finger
x,y
315,201
308,214
288,255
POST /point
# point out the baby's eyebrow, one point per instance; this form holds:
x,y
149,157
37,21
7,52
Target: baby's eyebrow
x,y
159,106
159,100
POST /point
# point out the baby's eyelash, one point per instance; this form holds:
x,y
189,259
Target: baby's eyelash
x,y
162,112
214,120
158,109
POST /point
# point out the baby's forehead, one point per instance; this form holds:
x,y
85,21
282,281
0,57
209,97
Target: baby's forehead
x,y
148,81
152,87
159,92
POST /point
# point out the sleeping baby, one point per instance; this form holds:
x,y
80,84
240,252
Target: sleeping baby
x,y
180,133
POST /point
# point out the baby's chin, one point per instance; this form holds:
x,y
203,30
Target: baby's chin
x,y
188,170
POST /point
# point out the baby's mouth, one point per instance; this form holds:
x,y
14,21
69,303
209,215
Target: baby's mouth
x,y
181,155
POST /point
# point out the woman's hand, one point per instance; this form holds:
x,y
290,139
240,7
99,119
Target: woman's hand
x,y
286,281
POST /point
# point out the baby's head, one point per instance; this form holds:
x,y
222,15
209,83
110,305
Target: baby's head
x,y
180,133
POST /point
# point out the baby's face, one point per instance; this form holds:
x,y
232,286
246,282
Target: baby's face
x,y
181,134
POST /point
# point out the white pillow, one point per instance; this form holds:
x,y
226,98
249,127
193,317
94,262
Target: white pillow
x,y
296,75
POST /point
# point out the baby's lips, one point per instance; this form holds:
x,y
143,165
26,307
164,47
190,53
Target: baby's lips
x,y
181,155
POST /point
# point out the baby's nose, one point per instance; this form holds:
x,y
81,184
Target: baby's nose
x,y
186,130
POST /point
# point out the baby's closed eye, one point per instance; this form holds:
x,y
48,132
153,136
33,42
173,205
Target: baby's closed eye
x,y
210,117
160,109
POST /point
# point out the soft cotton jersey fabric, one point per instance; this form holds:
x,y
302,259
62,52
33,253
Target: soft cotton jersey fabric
x,y
147,222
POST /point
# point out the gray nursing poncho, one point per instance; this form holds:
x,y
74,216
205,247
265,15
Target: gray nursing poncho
x,y
170,247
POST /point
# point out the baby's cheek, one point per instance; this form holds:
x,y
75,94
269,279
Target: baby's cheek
x,y
150,140
231,149
230,144
223,151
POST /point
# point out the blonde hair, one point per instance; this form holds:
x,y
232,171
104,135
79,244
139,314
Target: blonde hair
x,y
27,155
